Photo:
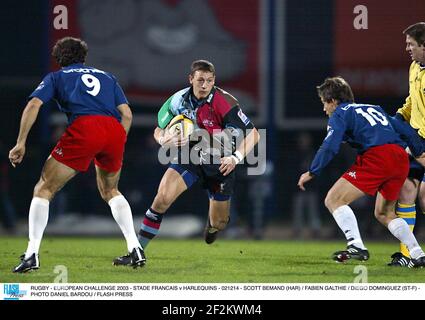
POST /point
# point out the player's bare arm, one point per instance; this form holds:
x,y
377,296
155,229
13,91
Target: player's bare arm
x,y
126,116
29,115
228,164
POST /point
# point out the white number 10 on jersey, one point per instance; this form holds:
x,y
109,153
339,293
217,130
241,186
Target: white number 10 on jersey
x,y
371,115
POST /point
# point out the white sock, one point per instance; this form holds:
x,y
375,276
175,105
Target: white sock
x,y
121,212
347,222
37,222
400,229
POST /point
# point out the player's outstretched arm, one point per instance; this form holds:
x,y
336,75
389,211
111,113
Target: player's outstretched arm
x,y
29,115
126,116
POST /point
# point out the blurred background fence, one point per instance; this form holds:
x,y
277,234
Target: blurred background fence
x,y
270,54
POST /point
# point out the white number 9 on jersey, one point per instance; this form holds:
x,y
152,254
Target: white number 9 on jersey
x,y
91,82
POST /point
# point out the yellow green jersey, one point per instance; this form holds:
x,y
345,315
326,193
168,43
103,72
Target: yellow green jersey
x,y
413,111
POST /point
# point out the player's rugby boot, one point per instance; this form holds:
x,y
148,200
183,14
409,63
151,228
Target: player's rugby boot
x,y
31,263
135,258
399,260
210,233
122,261
352,252
417,263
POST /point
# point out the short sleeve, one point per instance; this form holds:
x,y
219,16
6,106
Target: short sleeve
x,y
236,118
45,90
165,115
120,97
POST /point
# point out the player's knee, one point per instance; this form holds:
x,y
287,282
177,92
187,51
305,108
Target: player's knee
x,y
44,190
330,202
334,200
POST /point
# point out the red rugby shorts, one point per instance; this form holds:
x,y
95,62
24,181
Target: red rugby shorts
x,y
382,168
101,138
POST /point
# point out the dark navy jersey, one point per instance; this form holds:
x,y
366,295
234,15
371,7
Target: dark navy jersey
x,y
361,125
81,90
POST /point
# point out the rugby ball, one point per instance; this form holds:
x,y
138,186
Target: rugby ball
x,y
181,125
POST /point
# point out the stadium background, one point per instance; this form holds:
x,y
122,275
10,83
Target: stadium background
x,y
269,53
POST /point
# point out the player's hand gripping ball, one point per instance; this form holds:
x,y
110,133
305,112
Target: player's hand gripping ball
x,y
180,125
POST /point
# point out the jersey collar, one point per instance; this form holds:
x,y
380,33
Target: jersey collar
x,y
74,65
191,99
342,105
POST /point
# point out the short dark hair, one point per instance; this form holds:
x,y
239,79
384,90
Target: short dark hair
x,y
202,65
70,50
417,32
335,88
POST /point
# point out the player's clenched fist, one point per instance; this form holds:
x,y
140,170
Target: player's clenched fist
x,y
16,154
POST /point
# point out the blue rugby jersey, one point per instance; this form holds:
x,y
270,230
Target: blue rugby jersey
x,y
361,125
82,90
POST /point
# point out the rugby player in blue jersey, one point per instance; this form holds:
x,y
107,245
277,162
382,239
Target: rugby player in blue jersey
x,y
99,120
380,169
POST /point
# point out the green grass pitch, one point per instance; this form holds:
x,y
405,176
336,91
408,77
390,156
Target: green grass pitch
x,y
89,260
